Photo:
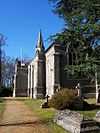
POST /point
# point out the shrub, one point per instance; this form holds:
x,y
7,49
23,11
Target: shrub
x,y
77,104
62,99
66,98
5,91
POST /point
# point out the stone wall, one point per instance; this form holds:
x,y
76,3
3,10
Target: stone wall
x,y
50,71
20,80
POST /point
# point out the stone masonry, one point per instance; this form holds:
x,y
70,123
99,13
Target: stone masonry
x,y
45,74
76,123
45,71
20,79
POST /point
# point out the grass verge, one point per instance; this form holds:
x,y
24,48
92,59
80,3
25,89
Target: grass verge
x,y
45,115
89,113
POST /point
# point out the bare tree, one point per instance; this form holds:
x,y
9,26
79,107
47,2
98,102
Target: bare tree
x,y
7,71
2,42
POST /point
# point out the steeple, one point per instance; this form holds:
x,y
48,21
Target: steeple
x,y
40,45
39,71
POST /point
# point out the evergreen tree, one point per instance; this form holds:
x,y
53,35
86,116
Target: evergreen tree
x,y
81,33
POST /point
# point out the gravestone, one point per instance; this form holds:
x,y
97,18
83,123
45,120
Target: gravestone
x,y
97,117
98,96
45,104
75,122
79,91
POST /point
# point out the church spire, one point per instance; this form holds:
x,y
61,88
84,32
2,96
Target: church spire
x,y
40,44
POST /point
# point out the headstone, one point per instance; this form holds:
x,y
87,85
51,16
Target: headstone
x,y
79,93
98,114
45,104
97,117
98,98
75,122
47,97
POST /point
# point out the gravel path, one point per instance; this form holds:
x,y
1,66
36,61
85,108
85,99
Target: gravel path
x,y
18,118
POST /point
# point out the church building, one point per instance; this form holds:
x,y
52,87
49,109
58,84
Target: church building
x,y
46,70
45,74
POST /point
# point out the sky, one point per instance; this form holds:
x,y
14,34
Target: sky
x,y
20,22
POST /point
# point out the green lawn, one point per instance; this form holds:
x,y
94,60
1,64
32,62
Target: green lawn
x,y
91,100
89,114
46,115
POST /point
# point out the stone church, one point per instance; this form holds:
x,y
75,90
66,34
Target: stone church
x,y
45,74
